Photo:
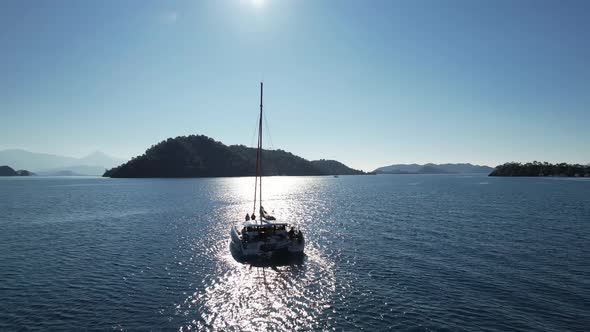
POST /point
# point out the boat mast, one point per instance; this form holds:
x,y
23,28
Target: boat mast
x,y
259,159
260,148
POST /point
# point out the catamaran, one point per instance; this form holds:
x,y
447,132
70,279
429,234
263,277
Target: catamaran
x,y
263,236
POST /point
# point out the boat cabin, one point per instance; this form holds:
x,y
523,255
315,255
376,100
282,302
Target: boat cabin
x,y
254,231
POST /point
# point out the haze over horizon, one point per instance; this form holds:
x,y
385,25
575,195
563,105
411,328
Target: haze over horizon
x,y
367,84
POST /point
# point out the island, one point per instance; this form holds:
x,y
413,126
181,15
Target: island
x,y
433,169
202,156
541,169
333,167
9,171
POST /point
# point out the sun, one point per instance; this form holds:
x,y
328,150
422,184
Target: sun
x,y
258,3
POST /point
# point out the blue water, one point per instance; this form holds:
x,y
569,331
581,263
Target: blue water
x,y
387,252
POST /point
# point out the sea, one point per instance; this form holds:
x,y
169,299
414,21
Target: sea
x,y
385,252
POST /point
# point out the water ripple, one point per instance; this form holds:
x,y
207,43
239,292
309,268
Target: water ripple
x,y
415,253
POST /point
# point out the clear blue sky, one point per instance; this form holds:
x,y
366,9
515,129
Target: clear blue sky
x,y
369,83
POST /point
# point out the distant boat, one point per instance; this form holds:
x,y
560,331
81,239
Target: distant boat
x,y
263,236
335,176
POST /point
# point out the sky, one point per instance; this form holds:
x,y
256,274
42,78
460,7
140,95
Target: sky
x,y
368,83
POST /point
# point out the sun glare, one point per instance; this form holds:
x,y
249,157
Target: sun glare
x,y
258,3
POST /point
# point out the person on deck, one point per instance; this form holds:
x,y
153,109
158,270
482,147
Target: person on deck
x,y
299,236
247,217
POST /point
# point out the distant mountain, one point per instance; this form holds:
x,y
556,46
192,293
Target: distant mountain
x,y
399,168
36,161
201,156
24,172
98,158
433,169
80,170
428,169
94,164
9,171
62,173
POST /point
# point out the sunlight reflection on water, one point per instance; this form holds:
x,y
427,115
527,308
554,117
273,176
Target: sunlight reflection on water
x,y
240,296
283,298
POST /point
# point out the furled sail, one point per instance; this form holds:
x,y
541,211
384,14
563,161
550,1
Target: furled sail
x,y
265,214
